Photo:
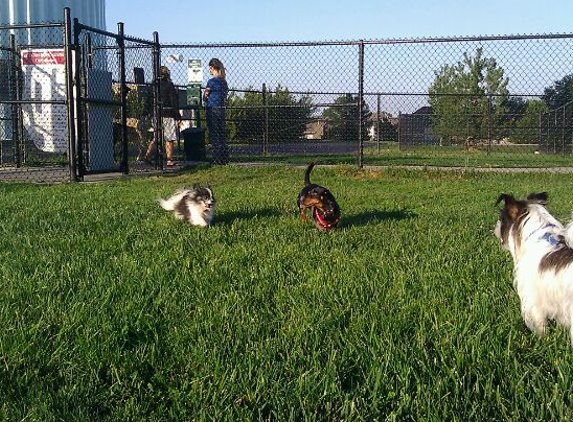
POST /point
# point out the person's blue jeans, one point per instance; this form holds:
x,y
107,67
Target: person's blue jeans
x,y
216,125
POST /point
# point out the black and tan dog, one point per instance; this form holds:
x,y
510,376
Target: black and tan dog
x,y
324,208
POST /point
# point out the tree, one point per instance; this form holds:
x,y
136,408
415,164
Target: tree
x,y
467,98
560,93
287,115
527,127
514,108
244,115
342,119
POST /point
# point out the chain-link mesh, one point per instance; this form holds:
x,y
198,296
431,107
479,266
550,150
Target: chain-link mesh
x,y
281,97
496,101
110,141
33,112
488,101
485,101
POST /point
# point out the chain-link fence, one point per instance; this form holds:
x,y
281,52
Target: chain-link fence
x,y
287,101
488,101
33,112
502,101
485,101
115,108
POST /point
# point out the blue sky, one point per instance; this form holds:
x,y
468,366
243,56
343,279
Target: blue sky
x,y
180,21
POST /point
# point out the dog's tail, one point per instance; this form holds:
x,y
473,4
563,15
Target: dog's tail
x,y
307,173
170,203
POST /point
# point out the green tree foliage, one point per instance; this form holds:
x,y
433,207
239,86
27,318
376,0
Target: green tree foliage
x,y
245,116
287,115
342,119
467,98
527,127
560,93
135,102
521,120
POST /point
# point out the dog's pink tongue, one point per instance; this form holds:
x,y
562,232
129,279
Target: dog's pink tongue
x,y
319,215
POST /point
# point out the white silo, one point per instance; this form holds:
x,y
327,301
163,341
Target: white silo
x,y
18,14
89,12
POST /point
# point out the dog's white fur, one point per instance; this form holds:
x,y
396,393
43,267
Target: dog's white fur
x,y
543,262
196,205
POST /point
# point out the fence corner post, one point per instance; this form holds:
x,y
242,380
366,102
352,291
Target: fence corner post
x,y
70,95
360,152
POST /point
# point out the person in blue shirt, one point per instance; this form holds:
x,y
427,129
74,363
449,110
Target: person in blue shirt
x,y
215,95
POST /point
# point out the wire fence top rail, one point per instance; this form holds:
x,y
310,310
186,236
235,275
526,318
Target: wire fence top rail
x,y
422,40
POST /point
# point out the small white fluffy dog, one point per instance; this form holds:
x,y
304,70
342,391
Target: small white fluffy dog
x,y
196,205
543,256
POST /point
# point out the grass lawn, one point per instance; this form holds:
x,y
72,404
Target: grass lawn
x,y
111,308
514,156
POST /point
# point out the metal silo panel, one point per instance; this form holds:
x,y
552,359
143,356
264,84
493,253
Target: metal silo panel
x,y
89,12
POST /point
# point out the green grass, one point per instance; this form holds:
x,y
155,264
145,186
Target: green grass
x,y
113,309
453,156
389,154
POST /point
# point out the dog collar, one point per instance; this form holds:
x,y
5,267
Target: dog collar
x,y
548,237
552,240
326,225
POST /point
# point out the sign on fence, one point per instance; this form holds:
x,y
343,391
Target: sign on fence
x,y
45,80
194,81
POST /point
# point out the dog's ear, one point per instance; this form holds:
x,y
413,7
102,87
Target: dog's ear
x,y
196,185
504,197
511,205
538,198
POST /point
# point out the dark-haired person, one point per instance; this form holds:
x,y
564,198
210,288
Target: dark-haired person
x,y
215,95
170,117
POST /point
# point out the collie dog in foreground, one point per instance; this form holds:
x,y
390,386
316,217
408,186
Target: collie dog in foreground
x,y
196,205
543,260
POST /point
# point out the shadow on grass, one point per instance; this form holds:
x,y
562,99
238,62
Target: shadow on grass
x,y
230,217
366,217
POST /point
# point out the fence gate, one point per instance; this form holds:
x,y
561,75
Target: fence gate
x,y
114,107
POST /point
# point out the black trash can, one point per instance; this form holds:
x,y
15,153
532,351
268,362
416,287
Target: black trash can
x,y
194,144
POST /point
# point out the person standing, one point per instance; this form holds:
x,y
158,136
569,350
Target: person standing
x,y
170,117
215,95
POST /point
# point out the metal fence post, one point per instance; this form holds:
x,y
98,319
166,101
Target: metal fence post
x,y
400,147
123,166
489,125
571,130
360,101
378,122
157,126
77,84
15,108
266,121
563,130
540,132
555,126
89,51
70,95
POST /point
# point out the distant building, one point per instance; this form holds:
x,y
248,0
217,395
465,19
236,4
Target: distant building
x,y
415,128
315,129
373,125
